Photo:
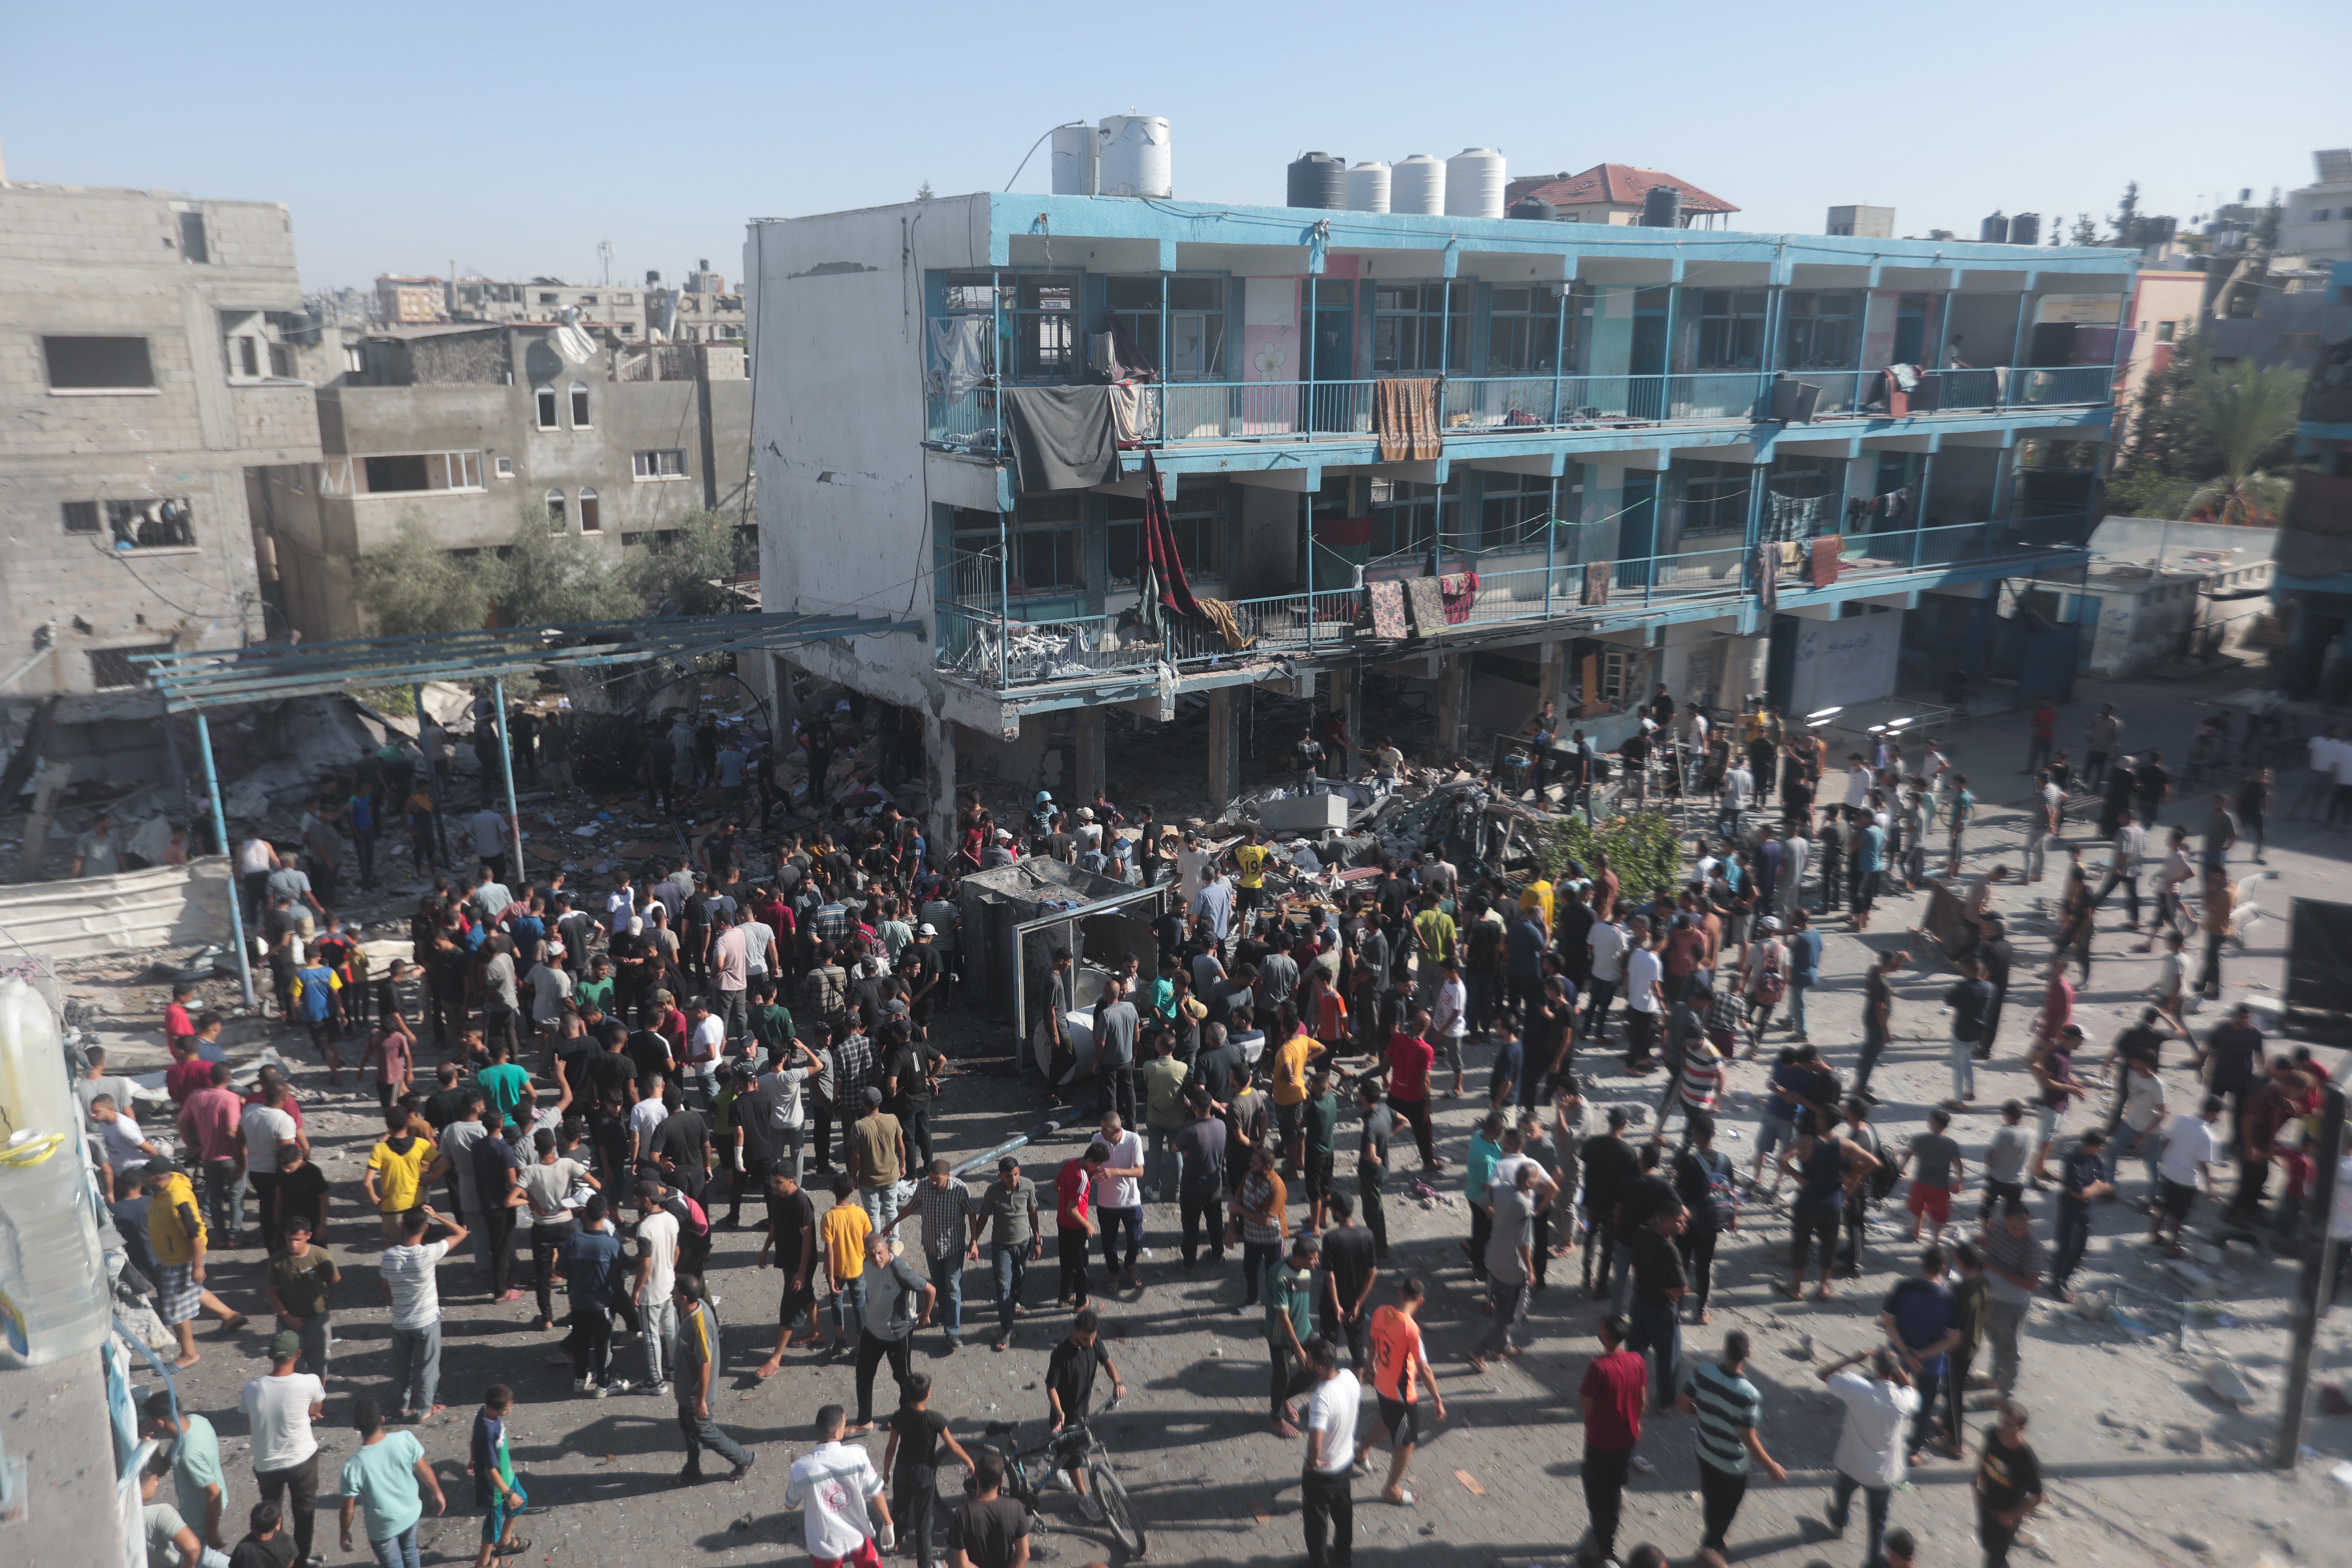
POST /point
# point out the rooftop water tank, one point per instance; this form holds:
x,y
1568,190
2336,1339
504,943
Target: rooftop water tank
x,y
1316,180
1136,157
1474,184
1662,208
1535,210
1074,160
1993,230
2025,228
1417,184
1368,187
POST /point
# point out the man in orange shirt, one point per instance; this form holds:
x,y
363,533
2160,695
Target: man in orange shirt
x,y
1291,1060
1399,1366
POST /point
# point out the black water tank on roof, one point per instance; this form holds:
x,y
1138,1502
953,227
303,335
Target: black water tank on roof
x,y
1662,208
1317,180
1535,210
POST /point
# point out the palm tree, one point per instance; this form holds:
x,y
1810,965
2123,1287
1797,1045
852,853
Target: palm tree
x,y
2243,412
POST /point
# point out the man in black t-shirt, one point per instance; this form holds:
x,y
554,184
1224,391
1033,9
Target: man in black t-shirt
x,y
989,1530
608,1069
1609,1165
791,1248
1350,1264
648,1052
1659,1282
2008,1483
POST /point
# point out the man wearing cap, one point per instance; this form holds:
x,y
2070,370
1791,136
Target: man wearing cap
x,y
878,1158
279,1409
922,966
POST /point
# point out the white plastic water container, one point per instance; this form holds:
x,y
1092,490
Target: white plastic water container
x,y
1368,187
1474,184
1417,184
1137,157
54,1300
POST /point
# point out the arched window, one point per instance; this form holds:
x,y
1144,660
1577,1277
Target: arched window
x,y
579,405
555,522
545,397
589,521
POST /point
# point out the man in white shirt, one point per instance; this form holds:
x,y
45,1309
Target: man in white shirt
x,y
2141,1127
413,1292
2319,778
836,1486
1606,944
279,1409
2124,859
551,989
1795,854
1450,1022
1870,1447
1738,785
706,1042
644,1117
1644,995
1325,1504
488,828
1191,867
267,1131
655,1283
2185,1167
1857,781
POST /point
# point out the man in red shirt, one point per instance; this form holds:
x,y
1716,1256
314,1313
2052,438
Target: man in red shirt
x,y
2045,730
208,1125
1611,1397
177,1025
191,1069
1410,1057
1074,1224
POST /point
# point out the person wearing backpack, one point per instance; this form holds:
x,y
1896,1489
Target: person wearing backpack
x,y
1708,1185
1873,1189
1765,978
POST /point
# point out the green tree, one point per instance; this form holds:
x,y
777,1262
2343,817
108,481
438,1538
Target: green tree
x,y
1642,849
2247,414
2085,231
2126,219
417,587
678,574
547,578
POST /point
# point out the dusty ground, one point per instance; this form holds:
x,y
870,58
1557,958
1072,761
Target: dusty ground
x,y
1499,1480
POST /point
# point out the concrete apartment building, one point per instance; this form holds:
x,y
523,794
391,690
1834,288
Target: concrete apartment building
x,y
468,428
2314,585
150,363
1613,439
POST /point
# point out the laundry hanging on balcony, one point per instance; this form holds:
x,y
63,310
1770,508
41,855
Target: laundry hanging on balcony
x,y
959,354
1596,584
1164,584
1343,548
1404,417
1064,437
1426,605
1387,601
1458,591
1827,552
1136,415
1765,572
1794,517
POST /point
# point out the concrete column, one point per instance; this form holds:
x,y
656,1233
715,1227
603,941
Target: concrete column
x,y
1347,700
1225,745
1552,670
1453,702
1743,668
1087,738
939,777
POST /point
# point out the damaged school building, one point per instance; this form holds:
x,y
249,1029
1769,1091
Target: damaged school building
x,y
1500,458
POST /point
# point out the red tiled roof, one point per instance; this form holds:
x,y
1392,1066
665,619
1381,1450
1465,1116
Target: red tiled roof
x,y
1614,184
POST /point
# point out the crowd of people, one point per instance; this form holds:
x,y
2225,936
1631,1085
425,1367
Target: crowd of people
x,y
616,1064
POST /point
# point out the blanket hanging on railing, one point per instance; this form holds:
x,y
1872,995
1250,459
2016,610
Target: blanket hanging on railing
x,y
1427,605
1826,552
1387,600
1596,584
1459,591
1220,616
1766,571
1164,584
1404,417
1064,437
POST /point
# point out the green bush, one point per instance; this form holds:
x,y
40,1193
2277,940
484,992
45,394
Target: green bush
x,y
1643,850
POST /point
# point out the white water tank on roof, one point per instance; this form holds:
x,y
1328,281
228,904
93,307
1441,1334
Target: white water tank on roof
x,y
1474,184
1368,187
1074,160
1136,159
1417,184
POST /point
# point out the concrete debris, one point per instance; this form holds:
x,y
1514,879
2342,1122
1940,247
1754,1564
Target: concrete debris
x,y
2184,1439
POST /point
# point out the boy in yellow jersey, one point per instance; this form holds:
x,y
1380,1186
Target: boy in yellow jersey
x,y
1399,1366
842,1233
1249,857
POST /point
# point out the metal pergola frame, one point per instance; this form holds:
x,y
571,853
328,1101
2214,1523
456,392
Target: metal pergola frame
x,y
204,678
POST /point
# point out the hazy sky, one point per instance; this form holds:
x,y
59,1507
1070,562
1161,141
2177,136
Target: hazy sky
x,y
512,137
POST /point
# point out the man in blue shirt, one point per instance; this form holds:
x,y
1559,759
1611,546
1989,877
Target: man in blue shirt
x,y
316,1005
1804,967
591,1261
1921,1320
1869,859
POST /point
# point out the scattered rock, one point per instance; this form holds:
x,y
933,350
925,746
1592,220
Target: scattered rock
x,y
2194,1542
2116,1418
2184,1439
2228,1383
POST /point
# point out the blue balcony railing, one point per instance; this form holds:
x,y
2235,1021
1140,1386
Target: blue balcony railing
x,y
1035,645
1176,413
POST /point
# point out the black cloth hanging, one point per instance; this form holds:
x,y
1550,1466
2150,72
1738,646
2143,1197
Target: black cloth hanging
x,y
1164,567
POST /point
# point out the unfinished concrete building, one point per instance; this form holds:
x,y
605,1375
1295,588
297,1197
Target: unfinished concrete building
x,y
468,428
1601,456
152,355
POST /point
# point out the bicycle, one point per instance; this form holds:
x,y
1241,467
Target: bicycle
x,y
1074,1447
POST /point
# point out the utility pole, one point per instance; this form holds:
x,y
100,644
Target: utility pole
x,y
2318,1280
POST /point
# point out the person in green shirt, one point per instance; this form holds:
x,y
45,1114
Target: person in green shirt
x,y
200,1489
1320,1117
388,1478
1164,1114
772,1022
506,1086
1289,1323
596,990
